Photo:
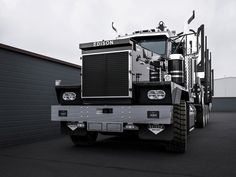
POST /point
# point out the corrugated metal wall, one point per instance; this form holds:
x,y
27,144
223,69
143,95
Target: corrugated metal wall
x,y
225,87
26,94
224,99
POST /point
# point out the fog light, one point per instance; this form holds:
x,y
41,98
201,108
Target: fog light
x,y
81,125
69,96
131,127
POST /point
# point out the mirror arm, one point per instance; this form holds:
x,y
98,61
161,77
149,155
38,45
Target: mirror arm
x,y
179,44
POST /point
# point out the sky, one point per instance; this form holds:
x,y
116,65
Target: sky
x,y
56,27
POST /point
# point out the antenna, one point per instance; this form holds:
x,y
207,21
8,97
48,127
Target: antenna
x,y
192,17
112,25
186,25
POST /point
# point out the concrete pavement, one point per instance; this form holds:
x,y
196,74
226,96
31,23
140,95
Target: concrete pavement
x,y
211,153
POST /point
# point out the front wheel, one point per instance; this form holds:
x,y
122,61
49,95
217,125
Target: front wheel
x,y
179,141
84,140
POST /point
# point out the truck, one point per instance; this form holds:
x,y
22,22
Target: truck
x,y
154,84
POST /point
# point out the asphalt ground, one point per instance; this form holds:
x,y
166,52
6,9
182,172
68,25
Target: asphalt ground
x,y
211,153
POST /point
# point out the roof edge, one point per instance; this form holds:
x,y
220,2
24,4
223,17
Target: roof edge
x,y
225,78
26,52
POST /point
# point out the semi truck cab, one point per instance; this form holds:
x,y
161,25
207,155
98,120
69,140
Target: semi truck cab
x,y
146,83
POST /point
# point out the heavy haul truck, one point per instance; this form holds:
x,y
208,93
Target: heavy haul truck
x,y
153,83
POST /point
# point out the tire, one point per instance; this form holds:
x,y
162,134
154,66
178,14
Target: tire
x,y
179,142
202,116
207,114
85,140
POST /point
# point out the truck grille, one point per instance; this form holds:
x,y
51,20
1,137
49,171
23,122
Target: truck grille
x,y
105,75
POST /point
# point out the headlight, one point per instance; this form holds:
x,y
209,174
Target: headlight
x,y
69,96
156,94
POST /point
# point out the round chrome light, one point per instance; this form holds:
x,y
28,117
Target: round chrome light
x,y
69,96
156,94
167,77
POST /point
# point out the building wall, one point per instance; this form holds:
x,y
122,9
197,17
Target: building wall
x,y
225,87
224,104
26,94
224,99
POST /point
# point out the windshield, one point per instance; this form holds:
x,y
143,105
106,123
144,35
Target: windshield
x,y
157,46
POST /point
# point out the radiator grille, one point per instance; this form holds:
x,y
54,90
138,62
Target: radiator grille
x,y
105,75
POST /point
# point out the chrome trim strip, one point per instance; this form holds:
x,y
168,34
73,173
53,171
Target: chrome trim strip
x,y
98,53
177,76
176,71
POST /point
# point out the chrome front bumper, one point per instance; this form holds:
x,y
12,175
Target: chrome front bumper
x,y
142,114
